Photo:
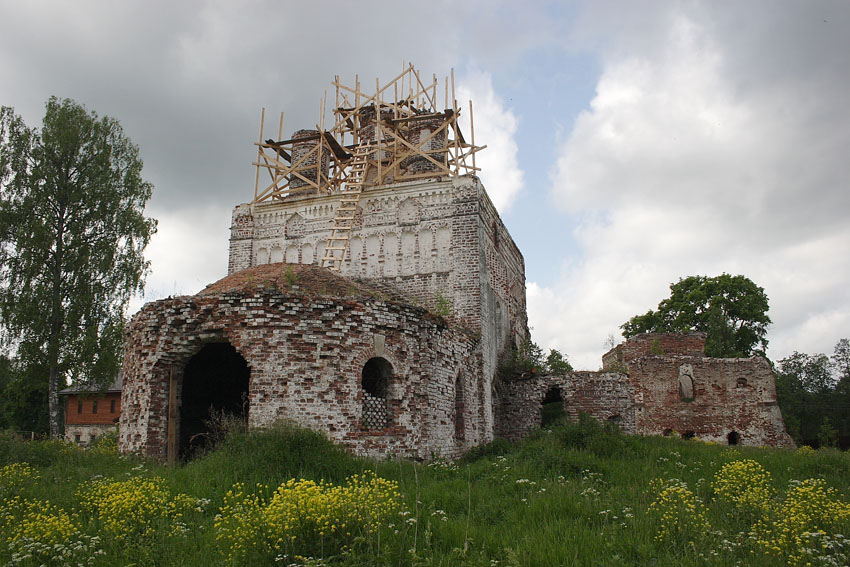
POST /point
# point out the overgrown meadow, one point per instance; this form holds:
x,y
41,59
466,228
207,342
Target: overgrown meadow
x,y
573,494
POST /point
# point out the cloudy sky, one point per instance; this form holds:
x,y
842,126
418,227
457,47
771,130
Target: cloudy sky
x,y
629,143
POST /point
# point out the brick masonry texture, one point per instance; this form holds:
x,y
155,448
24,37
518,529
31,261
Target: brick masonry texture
x,y
437,241
306,349
678,390
418,248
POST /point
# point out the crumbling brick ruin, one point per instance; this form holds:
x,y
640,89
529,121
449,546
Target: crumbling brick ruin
x,y
661,384
299,343
371,290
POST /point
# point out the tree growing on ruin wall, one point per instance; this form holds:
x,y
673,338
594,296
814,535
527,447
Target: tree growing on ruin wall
x,y
72,236
731,310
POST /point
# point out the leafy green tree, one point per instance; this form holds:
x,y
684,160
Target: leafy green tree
x,y
5,378
72,236
813,400
557,363
827,435
731,310
813,371
841,363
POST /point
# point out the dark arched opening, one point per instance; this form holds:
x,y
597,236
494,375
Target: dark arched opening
x,y
375,381
214,394
688,435
460,407
552,407
733,438
668,432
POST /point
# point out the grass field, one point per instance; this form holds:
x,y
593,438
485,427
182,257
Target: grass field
x,y
574,494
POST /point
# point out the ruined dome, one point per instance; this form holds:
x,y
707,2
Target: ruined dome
x,y
299,343
302,279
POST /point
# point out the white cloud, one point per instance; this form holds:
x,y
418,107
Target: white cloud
x,y
188,252
495,126
676,170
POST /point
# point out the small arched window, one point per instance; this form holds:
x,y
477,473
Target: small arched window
x,y
742,382
375,382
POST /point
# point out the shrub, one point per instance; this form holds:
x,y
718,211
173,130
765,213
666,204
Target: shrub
x,y
135,510
810,508
527,358
106,444
304,518
34,532
557,363
679,513
745,484
15,477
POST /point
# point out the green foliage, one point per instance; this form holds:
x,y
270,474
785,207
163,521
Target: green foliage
x,y
557,363
827,435
655,348
552,413
528,360
812,372
813,395
23,398
731,310
443,306
304,518
579,494
72,236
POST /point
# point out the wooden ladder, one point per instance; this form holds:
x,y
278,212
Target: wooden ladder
x,y
347,210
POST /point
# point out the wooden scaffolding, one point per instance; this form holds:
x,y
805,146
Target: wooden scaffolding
x,y
371,142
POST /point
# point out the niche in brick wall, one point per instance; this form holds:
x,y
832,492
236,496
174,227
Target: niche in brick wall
x,y
375,381
460,407
214,392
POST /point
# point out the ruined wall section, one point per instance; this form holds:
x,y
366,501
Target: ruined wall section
x,y
306,357
241,239
606,396
501,292
709,398
647,344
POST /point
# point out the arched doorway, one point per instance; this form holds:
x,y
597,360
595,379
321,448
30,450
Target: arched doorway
x,y
552,407
733,438
375,382
215,388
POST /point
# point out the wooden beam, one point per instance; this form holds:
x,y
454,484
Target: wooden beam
x,y
171,439
259,151
472,133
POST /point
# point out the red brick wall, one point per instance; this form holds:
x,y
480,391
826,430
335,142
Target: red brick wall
x,y
729,395
664,344
720,404
603,395
104,414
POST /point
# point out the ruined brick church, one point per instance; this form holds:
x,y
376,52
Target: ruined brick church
x,y
371,290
